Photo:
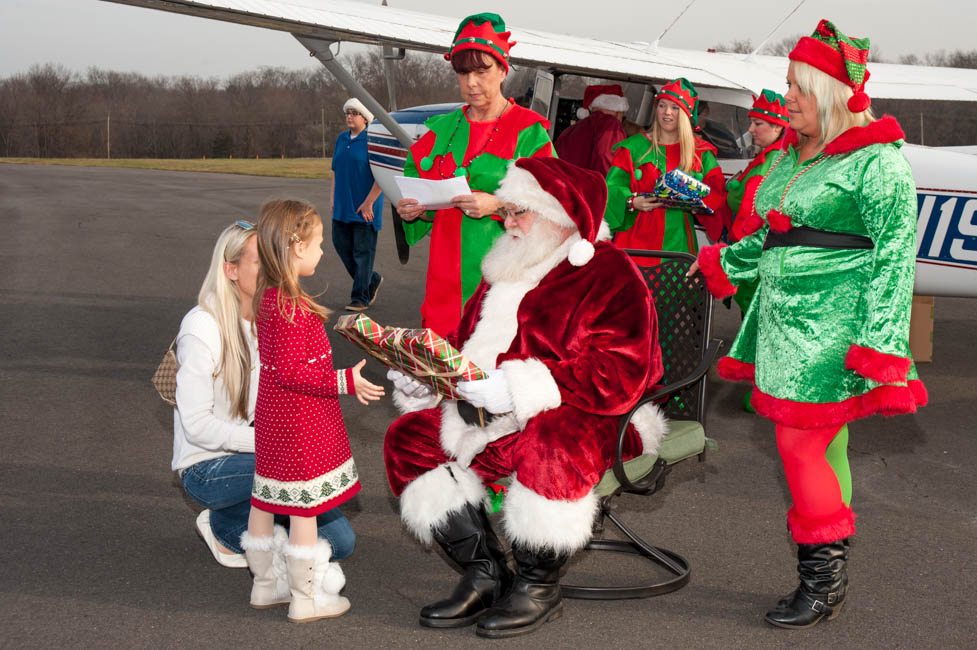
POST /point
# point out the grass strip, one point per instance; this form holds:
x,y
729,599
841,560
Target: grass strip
x,y
280,167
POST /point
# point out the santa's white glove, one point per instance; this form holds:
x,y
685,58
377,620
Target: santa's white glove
x,y
408,385
491,394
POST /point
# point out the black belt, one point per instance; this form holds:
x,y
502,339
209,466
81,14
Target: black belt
x,y
469,414
805,236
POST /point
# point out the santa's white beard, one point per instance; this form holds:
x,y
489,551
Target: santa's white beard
x,y
514,252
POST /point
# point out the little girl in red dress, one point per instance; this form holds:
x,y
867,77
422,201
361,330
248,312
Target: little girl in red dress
x,y
303,463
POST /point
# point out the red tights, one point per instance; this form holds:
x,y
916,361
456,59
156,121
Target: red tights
x,y
819,480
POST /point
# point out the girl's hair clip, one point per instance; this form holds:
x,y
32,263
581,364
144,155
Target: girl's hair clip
x,y
294,238
244,225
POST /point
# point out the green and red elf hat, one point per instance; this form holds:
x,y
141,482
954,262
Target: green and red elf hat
x,y
484,32
682,92
840,56
770,106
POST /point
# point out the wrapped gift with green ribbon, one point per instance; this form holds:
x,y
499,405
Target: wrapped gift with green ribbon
x,y
419,353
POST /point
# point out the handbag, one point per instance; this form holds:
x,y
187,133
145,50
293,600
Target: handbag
x,y
164,379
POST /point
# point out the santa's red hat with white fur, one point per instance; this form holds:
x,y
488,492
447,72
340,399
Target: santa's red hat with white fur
x,y
609,98
563,193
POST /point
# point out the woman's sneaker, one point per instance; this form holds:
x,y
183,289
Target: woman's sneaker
x,y
230,560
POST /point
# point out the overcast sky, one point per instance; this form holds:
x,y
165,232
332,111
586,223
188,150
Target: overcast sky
x,y
83,33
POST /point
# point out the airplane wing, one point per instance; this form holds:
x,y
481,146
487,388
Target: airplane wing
x,y
342,20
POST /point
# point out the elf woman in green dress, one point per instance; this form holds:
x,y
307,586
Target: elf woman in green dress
x,y
826,339
477,141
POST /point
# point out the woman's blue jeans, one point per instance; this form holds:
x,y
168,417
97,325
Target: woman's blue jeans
x,y
224,485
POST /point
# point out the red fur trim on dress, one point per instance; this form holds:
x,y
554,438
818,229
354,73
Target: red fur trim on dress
x,y
883,130
920,393
716,279
732,369
747,226
779,222
877,366
821,530
882,400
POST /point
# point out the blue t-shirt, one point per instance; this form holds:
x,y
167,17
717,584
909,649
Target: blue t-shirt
x,y
353,180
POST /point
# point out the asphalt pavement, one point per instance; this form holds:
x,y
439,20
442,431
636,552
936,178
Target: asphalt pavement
x,y
97,542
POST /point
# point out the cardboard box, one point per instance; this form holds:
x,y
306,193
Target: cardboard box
x,y
921,329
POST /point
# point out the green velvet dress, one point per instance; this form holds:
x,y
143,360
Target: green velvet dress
x,y
826,338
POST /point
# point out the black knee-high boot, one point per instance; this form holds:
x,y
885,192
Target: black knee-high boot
x,y
824,584
534,598
468,539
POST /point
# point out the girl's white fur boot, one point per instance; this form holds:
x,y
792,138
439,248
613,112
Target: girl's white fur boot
x,y
267,563
315,583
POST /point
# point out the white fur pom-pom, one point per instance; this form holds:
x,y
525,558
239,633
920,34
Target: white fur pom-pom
x,y
582,113
334,580
581,252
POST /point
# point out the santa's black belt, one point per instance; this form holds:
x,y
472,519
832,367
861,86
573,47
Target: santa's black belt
x,y
806,236
469,414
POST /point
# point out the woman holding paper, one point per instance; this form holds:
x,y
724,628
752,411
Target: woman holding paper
x,y
477,141
646,223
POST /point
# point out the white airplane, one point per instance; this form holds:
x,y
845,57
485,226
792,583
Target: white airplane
x,y
946,263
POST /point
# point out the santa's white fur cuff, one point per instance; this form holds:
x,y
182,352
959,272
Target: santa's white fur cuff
x,y
652,427
428,500
532,387
536,522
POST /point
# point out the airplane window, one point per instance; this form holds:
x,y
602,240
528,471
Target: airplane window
x,y
725,127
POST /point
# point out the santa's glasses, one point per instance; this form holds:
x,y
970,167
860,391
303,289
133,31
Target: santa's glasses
x,y
505,213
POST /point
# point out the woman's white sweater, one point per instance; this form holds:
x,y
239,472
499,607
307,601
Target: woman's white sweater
x,y
203,425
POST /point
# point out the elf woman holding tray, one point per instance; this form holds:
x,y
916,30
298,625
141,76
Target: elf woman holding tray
x,y
826,338
645,223
477,141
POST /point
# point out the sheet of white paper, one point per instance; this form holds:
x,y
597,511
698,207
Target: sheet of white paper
x,y
434,195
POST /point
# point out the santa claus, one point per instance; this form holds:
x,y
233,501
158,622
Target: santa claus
x,y
589,142
566,327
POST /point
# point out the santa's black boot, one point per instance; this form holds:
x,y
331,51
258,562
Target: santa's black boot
x,y
533,599
468,539
824,583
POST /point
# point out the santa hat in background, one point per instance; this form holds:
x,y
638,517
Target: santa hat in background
x,y
682,92
839,56
484,32
610,98
357,105
563,193
770,106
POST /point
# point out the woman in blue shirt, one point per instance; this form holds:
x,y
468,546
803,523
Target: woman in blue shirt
x,y
357,207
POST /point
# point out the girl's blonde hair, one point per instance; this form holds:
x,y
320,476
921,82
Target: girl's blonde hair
x,y
219,297
282,223
831,97
686,139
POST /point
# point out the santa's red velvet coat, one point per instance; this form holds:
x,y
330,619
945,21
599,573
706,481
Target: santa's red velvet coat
x,y
578,346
